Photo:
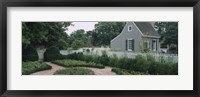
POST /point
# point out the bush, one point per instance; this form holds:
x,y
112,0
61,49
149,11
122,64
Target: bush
x,y
113,61
75,63
53,53
120,71
126,63
29,54
74,71
103,59
76,56
31,67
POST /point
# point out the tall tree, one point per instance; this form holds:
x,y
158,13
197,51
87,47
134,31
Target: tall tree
x,y
104,32
79,35
44,33
171,35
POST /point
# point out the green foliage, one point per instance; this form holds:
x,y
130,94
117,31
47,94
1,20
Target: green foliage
x,y
120,71
173,49
52,53
43,33
103,59
62,44
29,54
104,32
75,63
146,50
74,71
77,44
31,67
138,65
170,35
79,36
76,56
113,61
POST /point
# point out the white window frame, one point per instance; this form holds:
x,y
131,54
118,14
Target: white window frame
x,y
129,27
128,45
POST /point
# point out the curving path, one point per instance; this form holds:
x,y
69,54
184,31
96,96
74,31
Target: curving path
x,y
97,71
50,71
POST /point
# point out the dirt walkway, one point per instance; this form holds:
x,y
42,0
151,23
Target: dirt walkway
x,y
97,71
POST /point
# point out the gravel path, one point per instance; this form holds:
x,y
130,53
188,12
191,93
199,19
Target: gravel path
x,y
97,71
105,71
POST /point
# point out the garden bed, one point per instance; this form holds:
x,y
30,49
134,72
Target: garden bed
x,y
31,67
77,63
74,71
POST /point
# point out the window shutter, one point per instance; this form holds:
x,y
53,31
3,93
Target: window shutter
x,y
133,44
156,45
126,44
152,45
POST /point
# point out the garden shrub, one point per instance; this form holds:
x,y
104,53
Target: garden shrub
x,y
29,54
120,71
74,71
150,58
77,63
76,56
52,53
139,60
113,61
31,67
103,59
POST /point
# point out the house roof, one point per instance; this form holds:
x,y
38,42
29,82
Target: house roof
x,y
147,29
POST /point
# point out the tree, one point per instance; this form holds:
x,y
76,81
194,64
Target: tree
x,y
104,32
171,35
77,44
168,32
43,33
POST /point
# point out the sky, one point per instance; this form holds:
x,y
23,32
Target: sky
x,y
87,26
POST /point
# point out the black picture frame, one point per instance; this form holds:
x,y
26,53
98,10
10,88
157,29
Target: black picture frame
x,y
98,3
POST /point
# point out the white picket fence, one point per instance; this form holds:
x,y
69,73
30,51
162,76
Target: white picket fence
x,y
98,51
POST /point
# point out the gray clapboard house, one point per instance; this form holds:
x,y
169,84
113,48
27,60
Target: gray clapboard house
x,y
137,37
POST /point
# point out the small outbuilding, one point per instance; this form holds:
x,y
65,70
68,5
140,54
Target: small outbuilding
x,y
137,37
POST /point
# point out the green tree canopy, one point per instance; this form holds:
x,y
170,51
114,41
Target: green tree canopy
x,y
104,32
44,33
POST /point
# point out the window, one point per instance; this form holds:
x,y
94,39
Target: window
x,y
129,28
146,44
130,45
154,45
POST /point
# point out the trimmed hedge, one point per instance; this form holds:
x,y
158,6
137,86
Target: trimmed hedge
x,y
31,67
52,53
29,54
76,63
74,71
120,71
